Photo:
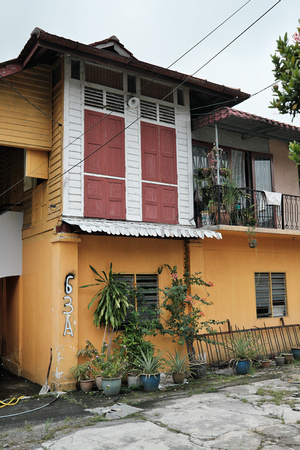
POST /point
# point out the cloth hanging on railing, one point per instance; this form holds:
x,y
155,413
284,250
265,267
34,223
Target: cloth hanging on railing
x,y
273,198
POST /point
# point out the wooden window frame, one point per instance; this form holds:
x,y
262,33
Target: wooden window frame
x,y
270,292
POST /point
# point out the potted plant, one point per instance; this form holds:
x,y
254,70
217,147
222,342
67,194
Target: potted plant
x,y
113,367
96,360
112,300
265,362
288,358
179,366
251,233
133,335
242,347
182,312
83,373
296,352
149,366
279,360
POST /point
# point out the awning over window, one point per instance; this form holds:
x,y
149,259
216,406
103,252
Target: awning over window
x,y
120,228
11,244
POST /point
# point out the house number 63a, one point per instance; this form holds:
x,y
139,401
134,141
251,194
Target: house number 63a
x,y
68,305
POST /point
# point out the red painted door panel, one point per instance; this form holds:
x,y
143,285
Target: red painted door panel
x,y
169,213
115,199
104,198
115,148
151,200
94,197
168,166
150,151
159,203
104,138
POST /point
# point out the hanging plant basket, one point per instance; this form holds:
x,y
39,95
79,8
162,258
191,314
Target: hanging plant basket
x,y
253,243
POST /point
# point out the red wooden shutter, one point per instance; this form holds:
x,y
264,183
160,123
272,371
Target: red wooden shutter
x,y
169,213
151,201
168,166
150,151
115,149
115,199
94,197
104,198
93,139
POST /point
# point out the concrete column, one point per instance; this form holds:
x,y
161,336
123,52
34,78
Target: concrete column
x,y
64,309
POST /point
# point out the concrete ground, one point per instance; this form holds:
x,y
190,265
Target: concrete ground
x,y
220,411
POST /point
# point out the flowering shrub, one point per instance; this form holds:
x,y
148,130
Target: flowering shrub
x,y
181,312
103,364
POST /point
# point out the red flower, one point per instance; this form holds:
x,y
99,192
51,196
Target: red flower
x,y
210,283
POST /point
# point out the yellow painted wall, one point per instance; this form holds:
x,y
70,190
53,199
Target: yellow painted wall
x,y
23,125
228,263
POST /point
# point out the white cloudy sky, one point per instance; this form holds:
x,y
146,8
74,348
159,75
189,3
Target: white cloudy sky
x,y
160,31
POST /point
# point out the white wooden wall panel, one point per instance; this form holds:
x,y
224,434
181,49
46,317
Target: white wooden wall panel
x,y
73,144
183,138
133,165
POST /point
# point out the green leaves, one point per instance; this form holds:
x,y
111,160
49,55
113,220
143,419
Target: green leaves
x,y
112,299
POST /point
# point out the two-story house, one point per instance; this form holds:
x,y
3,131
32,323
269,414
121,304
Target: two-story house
x,y
98,155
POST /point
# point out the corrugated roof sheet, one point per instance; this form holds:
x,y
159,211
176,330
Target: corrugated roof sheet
x,y
233,120
137,229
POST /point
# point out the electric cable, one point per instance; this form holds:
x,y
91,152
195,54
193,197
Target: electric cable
x,y
138,118
108,114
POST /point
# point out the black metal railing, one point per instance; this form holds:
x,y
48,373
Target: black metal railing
x,y
247,207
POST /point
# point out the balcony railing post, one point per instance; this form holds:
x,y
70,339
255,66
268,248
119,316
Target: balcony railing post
x,y
282,213
219,204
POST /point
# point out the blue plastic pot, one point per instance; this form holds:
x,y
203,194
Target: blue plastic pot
x,y
243,366
150,382
296,352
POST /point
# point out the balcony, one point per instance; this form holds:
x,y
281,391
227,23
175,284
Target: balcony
x,y
246,207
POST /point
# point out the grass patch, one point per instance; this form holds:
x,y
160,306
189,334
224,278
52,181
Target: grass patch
x,y
275,396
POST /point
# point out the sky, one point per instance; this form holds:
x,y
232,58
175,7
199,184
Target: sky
x,y
161,31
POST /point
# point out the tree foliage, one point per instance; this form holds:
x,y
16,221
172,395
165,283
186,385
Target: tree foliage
x,y
286,70
286,61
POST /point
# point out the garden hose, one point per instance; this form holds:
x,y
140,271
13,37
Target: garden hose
x,y
10,402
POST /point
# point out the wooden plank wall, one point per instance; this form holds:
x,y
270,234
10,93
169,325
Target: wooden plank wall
x,y
21,124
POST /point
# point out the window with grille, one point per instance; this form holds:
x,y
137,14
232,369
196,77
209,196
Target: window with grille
x,y
104,76
146,299
270,291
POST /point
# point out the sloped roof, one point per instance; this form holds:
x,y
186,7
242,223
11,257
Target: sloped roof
x,y
231,119
139,229
45,48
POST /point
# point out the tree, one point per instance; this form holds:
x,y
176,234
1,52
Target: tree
x,y
286,70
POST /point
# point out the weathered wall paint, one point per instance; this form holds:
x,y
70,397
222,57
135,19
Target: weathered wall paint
x,y
228,263
285,170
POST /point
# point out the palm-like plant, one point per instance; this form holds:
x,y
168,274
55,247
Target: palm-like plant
x,y
149,364
242,346
112,300
177,362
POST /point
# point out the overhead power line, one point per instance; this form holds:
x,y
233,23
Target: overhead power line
x,y
139,117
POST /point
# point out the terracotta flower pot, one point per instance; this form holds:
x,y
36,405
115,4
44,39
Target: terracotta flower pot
x,y
266,364
86,385
178,378
288,358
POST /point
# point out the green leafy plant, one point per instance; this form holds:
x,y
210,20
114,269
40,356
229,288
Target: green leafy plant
x,y
112,300
113,365
177,362
137,328
181,313
242,345
82,371
148,363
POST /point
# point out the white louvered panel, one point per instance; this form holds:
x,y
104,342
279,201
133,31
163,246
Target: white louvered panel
x,y
166,114
93,97
148,110
115,102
